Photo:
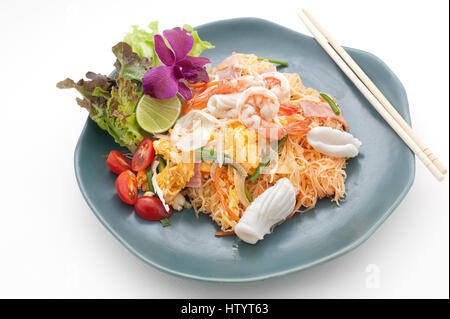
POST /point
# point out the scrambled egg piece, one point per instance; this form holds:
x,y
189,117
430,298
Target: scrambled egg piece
x,y
177,172
241,144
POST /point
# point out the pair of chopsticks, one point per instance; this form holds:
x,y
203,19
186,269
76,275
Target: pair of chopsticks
x,y
374,95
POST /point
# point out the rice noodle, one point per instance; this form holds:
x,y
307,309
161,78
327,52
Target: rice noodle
x,y
313,174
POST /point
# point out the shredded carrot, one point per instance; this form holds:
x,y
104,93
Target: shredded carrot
x,y
196,85
185,108
212,83
221,195
203,89
202,84
199,106
224,233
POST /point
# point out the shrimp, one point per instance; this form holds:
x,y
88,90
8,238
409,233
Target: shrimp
x,y
200,101
223,105
288,109
298,127
258,108
273,130
277,84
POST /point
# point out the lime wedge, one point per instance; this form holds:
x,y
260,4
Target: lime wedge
x,y
157,116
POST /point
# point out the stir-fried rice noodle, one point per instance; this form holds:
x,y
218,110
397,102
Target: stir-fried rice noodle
x,y
313,174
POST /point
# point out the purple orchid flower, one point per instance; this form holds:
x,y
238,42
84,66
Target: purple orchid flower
x,y
165,81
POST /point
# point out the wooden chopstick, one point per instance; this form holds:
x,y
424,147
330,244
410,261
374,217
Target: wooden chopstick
x,y
375,91
372,99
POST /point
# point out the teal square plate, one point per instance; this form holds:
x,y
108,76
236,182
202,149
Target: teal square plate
x,y
378,179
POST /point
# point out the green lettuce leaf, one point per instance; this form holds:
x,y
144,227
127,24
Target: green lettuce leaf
x,y
95,92
141,41
120,115
128,64
199,45
111,104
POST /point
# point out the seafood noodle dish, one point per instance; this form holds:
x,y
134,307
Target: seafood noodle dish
x,y
246,144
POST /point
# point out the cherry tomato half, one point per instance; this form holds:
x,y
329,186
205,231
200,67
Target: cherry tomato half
x,y
151,208
117,162
143,156
127,187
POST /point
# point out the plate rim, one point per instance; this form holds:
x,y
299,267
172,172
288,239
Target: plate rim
x,y
236,280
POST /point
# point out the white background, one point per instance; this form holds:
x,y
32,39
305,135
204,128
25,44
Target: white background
x,y
51,245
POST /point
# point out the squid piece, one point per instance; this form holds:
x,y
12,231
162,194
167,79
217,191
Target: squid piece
x,y
266,211
333,142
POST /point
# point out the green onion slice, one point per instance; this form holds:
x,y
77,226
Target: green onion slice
x,y
247,193
274,61
331,102
211,156
149,179
265,162
165,222
161,164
